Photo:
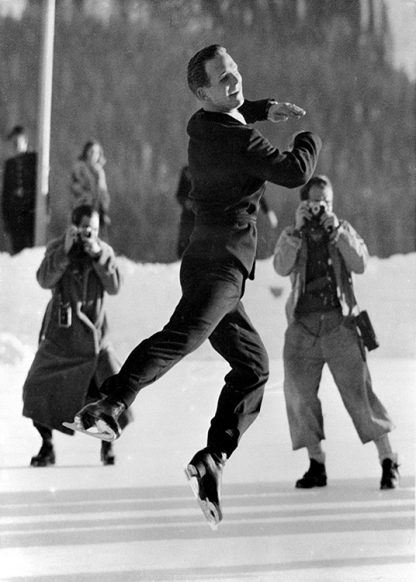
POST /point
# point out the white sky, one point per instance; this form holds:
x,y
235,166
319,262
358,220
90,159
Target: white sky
x,y
403,21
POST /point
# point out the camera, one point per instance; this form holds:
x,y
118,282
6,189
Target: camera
x,y
312,224
366,331
317,208
65,315
83,234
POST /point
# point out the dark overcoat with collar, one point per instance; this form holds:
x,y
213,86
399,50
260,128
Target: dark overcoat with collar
x,y
230,162
69,358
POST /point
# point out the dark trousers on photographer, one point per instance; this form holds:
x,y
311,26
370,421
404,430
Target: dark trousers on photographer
x,y
311,341
210,308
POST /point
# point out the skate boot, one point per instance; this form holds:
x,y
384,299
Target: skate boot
x,y
206,466
390,474
45,456
107,455
315,476
99,419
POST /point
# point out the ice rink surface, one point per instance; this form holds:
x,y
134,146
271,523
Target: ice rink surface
x,y
138,521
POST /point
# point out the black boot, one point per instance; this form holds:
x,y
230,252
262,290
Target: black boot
x,y
103,416
315,476
206,466
107,455
390,475
45,456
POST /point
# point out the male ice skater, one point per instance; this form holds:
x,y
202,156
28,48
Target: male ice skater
x,y
229,161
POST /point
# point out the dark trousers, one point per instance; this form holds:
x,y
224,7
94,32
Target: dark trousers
x,y
44,431
210,308
22,235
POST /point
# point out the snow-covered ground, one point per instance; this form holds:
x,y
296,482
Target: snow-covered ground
x,y
138,520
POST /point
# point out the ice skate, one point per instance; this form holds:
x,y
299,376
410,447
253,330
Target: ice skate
x,y
99,420
204,473
390,474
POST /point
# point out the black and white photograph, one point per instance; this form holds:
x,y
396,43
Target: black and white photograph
x,y
207,290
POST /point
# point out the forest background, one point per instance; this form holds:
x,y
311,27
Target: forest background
x,y
120,76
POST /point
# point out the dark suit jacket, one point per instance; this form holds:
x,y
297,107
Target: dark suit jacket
x,y
229,163
19,189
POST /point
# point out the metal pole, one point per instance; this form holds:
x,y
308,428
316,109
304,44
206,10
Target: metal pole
x,y
45,108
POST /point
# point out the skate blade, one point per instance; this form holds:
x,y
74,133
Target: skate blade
x,y
208,509
100,430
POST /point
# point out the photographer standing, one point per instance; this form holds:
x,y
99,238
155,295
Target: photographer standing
x,y
319,253
74,356
19,192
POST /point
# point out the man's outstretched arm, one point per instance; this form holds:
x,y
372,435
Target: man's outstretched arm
x,y
291,168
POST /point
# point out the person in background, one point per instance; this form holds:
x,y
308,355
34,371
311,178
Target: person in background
x,y
19,192
89,183
187,217
229,161
319,253
75,355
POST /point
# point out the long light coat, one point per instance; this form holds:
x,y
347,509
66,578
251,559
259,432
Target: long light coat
x,y
89,186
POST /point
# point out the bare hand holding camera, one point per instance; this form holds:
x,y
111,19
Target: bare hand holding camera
x,y
302,214
71,236
330,222
90,242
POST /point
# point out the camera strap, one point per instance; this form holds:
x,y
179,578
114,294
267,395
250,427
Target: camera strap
x,y
61,294
356,307
363,325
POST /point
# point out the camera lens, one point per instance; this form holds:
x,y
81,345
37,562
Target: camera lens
x,y
317,208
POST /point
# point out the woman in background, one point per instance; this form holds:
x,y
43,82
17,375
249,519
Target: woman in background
x,y
89,183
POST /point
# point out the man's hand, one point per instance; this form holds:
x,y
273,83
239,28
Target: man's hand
x,y
92,247
272,218
70,237
330,222
302,214
283,111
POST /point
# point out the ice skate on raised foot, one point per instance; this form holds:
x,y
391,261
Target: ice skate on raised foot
x,y
99,419
390,475
204,473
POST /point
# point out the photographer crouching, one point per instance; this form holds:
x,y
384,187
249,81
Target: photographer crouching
x,y
319,253
74,355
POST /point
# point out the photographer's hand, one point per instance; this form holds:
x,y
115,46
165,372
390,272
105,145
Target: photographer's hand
x,y
330,222
92,247
272,218
70,237
284,111
302,214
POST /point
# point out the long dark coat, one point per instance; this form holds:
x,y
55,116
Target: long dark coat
x,y
70,360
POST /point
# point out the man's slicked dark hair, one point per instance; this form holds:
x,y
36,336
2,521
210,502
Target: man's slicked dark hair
x,y
320,181
197,75
80,211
